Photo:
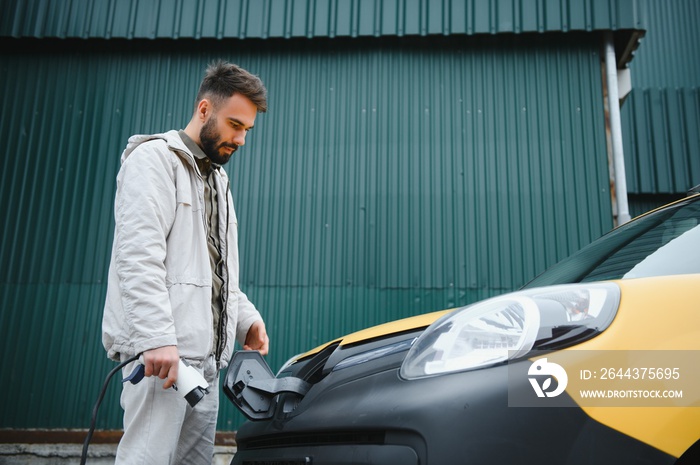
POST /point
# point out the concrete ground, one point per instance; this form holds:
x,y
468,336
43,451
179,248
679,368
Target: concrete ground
x,y
70,454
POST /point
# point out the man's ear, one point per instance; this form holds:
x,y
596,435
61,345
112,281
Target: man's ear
x,y
204,109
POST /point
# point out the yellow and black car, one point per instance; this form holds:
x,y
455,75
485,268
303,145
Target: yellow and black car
x,y
595,361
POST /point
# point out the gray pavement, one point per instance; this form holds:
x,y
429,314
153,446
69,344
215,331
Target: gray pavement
x,y
70,454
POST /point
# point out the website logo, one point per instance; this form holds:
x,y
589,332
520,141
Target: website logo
x,y
547,371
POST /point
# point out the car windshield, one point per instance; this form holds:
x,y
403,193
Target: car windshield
x,y
664,242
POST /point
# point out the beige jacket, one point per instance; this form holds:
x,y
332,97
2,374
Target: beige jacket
x,y
159,284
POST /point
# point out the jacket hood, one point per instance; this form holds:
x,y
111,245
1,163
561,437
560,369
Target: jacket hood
x,y
172,138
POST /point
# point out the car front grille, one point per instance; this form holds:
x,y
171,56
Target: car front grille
x,y
314,439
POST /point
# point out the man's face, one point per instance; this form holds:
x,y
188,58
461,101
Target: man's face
x,y
225,130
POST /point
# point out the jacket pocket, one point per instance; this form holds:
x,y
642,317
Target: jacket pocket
x,y
193,319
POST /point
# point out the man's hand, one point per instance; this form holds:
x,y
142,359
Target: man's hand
x,y
162,362
257,339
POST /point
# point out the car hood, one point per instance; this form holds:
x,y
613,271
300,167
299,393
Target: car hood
x,y
379,331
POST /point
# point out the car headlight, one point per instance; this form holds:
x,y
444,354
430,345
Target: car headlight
x,y
507,327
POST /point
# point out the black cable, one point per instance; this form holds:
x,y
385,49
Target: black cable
x,y
83,458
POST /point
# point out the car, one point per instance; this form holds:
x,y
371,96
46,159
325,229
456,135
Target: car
x,y
594,361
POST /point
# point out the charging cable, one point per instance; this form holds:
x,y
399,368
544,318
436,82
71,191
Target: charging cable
x,y
83,458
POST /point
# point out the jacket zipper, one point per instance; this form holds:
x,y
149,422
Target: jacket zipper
x,y
223,318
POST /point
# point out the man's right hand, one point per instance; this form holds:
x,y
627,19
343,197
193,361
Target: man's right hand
x,y
162,362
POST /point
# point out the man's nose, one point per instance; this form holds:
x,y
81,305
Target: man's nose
x,y
239,137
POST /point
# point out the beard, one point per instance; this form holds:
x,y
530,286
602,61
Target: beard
x,y
211,143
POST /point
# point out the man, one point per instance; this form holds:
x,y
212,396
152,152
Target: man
x,y
173,289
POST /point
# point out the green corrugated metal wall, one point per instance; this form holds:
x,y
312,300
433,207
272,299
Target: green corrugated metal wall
x,y
669,56
389,178
385,181
662,128
249,19
661,117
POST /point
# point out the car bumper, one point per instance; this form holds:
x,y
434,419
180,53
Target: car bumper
x,y
461,417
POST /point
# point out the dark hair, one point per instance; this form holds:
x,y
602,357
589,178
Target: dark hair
x,y
224,79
